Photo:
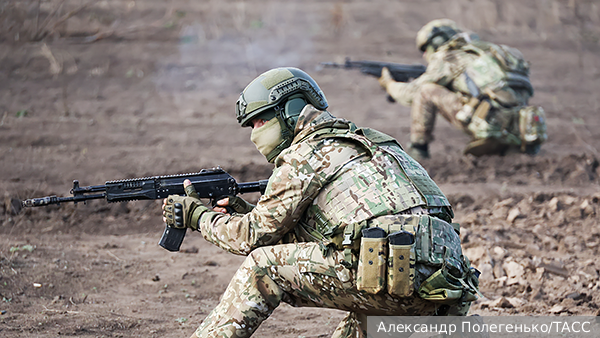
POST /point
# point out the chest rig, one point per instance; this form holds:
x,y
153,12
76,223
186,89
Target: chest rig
x,y
374,186
380,179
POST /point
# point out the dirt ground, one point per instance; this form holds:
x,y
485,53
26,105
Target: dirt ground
x,y
106,90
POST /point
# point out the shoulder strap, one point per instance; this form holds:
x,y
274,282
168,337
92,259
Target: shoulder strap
x,y
419,177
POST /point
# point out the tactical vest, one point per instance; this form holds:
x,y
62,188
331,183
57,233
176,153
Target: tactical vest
x,y
382,180
368,182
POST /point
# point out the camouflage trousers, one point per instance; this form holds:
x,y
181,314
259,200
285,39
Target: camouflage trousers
x,y
299,275
427,103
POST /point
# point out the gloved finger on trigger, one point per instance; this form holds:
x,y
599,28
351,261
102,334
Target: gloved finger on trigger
x,y
223,201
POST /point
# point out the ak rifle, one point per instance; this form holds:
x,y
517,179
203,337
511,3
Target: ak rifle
x,y
209,183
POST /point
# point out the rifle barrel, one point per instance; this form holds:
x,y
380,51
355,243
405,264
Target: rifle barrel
x,y
209,184
43,201
400,72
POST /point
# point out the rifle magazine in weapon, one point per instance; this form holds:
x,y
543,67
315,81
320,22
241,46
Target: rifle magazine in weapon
x,y
172,238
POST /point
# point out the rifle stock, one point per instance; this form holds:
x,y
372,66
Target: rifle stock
x,y
209,183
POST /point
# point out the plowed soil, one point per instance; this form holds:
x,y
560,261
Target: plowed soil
x,y
111,90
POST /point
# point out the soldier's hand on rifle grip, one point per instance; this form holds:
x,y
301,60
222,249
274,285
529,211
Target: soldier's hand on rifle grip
x,y
231,204
221,205
183,211
386,78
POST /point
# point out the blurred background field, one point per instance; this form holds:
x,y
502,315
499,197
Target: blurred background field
x,y
103,90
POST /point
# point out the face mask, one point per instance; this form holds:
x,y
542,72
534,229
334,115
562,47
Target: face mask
x,y
429,51
267,137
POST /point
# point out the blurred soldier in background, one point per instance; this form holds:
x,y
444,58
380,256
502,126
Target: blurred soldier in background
x,y
348,220
480,87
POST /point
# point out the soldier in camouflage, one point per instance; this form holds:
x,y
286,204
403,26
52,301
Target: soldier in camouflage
x,y
302,239
479,87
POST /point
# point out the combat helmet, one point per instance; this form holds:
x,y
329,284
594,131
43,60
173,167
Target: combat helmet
x,y
435,33
281,93
283,90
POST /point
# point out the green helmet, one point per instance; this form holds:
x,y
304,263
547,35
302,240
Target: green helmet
x,y
436,33
281,92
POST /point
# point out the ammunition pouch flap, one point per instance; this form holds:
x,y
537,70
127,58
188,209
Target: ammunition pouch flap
x,y
436,245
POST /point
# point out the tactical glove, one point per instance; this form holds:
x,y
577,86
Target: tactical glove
x,y
240,205
183,212
386,78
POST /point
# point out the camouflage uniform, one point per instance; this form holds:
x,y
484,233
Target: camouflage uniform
x,y
432,93
443,89
332,174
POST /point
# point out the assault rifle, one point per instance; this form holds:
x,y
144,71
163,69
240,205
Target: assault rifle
x,y
400,72
209,183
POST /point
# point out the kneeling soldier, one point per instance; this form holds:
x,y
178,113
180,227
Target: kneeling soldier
x,y
348,220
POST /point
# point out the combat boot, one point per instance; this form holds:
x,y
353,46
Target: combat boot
x,y
532,149
418,151
486,146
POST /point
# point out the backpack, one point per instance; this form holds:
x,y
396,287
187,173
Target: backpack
x,y
499,71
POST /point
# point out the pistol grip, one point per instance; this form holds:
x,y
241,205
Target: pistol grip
x,y
172,238
229,209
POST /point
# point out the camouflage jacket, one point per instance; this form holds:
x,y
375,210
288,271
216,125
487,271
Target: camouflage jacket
x,y
497,70
332,175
